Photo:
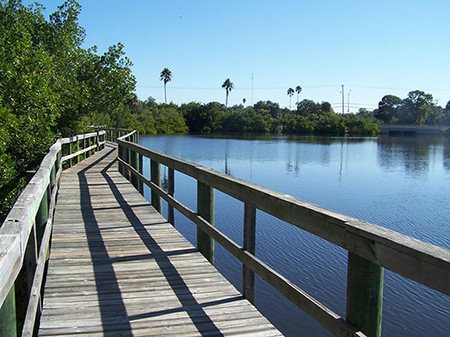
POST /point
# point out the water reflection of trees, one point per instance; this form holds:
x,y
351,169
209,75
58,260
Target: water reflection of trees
x,y
446,154
311,150
414,154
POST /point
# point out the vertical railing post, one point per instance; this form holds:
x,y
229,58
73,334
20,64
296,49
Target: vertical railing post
x,y
84,146
102,139
69,151
134,163
97,141
171,190
155,176
58,161
248,276
8,324
128,160
120,155
31,257
141,171
88,143
93,143
364,295
78,149
205,209
125,158
42,217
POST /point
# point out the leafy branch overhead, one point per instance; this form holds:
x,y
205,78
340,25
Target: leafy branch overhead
x,y
49,83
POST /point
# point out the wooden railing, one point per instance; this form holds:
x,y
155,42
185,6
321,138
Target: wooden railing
x,y
25,233
371,248
111,134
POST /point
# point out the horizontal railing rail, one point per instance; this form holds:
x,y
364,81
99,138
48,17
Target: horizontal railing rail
x,y
25,233
371,248
111,133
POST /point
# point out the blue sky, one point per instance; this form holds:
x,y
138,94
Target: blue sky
x,y
374,48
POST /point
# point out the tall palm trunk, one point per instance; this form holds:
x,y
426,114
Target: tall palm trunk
x,y
165,93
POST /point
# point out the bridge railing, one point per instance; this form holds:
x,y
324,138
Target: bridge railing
x,y
371,248
111,134
25,233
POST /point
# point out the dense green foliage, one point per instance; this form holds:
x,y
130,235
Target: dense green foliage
x,y
418,108
49,85
263,117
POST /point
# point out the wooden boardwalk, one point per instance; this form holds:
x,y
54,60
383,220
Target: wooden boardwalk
x,y
118,268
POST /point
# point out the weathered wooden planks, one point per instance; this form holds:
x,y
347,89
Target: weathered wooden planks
x,y
118,268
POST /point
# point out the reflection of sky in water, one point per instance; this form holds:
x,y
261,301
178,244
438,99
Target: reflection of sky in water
x,y
398,183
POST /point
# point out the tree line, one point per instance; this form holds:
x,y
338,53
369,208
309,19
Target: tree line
x,y
417,108
149,117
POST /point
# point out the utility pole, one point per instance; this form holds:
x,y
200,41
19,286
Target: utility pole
x,y
348,101
342,91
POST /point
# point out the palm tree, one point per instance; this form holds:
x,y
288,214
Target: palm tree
x,y
166,76
298,90
290,93
227,85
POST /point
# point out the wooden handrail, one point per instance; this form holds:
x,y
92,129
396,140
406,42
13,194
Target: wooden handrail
x,y
27,229
369,246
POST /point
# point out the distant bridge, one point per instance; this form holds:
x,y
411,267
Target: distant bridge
x,y
410,130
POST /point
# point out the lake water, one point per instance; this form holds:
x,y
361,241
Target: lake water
x,y
400,183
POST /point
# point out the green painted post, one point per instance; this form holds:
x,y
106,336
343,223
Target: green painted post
x,y
8,324
248,276
41,218
205,209
155,176
364,295
171,190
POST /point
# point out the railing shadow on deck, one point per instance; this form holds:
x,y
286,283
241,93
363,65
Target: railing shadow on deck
x,y
25,233
371,248
101,262
189,304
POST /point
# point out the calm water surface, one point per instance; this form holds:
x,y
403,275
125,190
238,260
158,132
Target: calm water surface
x,y
400,183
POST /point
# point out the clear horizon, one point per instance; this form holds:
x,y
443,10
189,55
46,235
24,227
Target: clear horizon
x,y
374,49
